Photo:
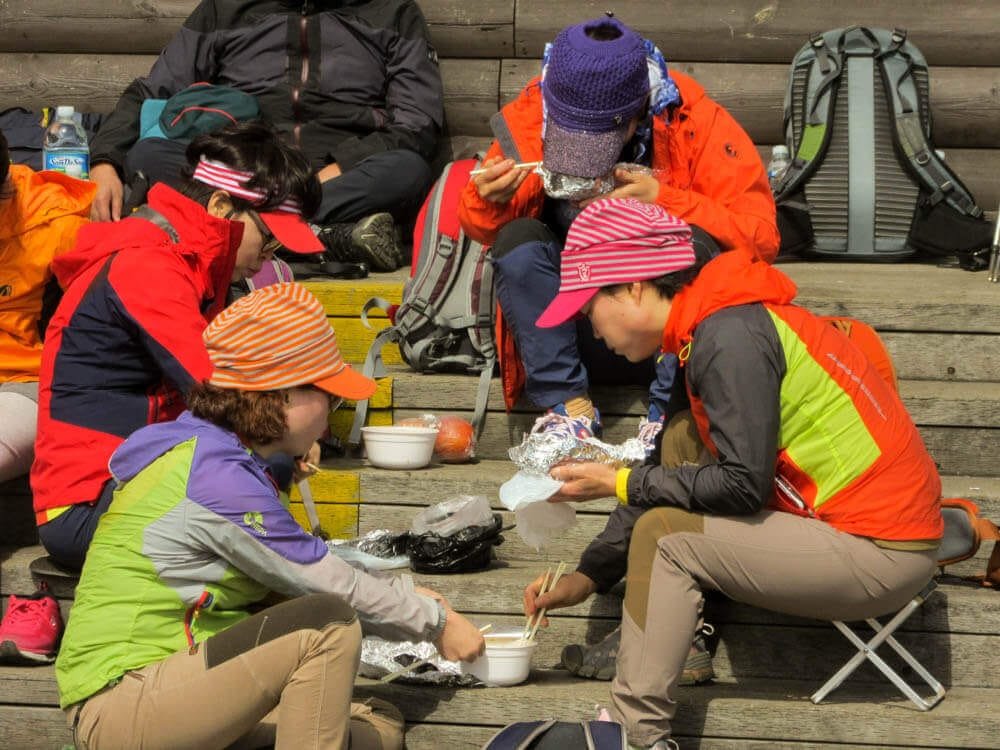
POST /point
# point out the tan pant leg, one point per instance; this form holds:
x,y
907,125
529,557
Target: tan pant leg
x,y
179,703
376,725
772,560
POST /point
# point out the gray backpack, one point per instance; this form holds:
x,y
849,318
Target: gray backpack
x,y
865,182
445,322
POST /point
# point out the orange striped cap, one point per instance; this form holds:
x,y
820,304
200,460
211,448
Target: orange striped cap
x,y
278,337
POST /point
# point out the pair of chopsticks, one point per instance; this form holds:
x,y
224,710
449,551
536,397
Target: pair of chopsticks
x,y
548,583
420,662
520,165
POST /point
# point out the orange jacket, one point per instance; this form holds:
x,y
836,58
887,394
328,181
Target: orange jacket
x,y
712,175
38,223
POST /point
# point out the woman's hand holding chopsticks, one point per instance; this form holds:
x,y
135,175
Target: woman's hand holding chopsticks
x,y
570,589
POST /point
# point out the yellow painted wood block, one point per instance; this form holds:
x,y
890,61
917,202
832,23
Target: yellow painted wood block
x,y
340,422
339,520
347,298
332,486
354,339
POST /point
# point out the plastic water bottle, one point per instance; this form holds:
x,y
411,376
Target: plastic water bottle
x,y
65,148
776,168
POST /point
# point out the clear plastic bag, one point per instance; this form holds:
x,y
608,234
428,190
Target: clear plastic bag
x,y
452,515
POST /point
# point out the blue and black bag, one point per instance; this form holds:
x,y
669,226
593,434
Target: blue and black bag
x,y
559,735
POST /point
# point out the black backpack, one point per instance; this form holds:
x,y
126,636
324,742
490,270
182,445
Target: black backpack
x,y
865,182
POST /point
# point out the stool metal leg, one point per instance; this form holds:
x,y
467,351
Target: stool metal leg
x,y
883,634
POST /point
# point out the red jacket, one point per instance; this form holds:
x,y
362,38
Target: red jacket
x,y
712,175
125,342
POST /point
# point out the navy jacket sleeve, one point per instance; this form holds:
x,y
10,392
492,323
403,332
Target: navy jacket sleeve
x,y
414,97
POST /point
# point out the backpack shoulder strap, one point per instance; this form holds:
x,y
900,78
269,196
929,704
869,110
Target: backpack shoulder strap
x,y
518,736
373,366
154,216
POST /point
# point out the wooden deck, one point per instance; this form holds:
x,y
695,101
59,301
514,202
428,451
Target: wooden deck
x,y
942,326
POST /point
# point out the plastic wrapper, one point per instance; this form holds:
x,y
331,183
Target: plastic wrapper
x,y
379,658
565,187
454,536
380,549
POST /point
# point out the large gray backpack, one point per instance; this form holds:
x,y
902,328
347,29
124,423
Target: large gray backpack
x,y
445,322
865,182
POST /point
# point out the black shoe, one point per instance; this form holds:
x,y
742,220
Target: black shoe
x,y
372,240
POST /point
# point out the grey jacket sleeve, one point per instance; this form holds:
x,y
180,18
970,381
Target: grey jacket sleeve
x,y
736,368
414,97
288,560
187,58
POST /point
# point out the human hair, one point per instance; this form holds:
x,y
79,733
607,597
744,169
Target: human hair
x,y
6,191
278,169
257,417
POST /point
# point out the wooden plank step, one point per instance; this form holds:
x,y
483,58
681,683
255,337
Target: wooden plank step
x,y
724,30
929,402
962,109
956,608
761,710
433,714
472,28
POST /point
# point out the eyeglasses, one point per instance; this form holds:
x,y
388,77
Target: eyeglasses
x,y
271,243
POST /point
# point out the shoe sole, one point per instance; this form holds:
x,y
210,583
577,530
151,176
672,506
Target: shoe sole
x,y
11,654
375,237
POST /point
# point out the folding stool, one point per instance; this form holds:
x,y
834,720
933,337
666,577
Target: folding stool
x,y
959,538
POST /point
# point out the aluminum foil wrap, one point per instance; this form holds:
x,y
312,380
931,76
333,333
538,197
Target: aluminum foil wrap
x,y
380,549
565,187
540,451
380,657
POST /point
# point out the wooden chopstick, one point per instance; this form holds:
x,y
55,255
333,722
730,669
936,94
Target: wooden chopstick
x,y
420,662
540,614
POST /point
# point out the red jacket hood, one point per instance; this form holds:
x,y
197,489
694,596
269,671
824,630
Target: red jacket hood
x,y
731,279
207,244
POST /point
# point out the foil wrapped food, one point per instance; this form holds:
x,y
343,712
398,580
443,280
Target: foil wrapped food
x,y
540,451
380,657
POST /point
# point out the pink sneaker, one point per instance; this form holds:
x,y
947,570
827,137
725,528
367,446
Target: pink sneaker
x,y
30,631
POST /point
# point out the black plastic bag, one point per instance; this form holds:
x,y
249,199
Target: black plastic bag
x,y
467,550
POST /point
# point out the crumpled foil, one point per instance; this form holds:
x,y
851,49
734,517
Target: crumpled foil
x,y
540,451
566,187
380,657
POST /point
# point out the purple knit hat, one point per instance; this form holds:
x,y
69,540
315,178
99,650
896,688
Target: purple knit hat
x,y
592,90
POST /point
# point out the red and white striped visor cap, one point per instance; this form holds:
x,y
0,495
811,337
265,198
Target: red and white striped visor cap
x,y
616,241
279,337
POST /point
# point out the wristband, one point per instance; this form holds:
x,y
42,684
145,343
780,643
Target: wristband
x,y
621,485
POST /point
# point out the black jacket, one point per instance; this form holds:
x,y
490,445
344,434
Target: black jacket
x,y
342,80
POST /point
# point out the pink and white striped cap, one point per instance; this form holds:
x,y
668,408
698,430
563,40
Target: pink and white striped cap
x,y
284,220
616,241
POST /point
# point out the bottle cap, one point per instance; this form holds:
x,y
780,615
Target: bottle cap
x,y
64,110
780,150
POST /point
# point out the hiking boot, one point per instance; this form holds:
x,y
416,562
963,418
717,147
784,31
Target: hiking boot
x,y
30,631
557,420
597,662
372,240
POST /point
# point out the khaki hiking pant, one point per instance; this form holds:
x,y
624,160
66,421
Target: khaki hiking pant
x,y
773,560
283,677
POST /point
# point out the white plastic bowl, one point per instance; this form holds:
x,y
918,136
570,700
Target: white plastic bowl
x,y
507,660
397,447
